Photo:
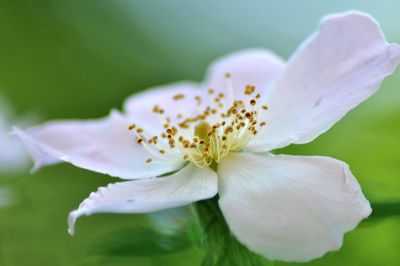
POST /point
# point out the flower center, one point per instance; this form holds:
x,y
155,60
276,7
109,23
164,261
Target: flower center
x,y
217,130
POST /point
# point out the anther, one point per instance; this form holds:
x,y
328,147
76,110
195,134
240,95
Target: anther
x,y
149,160
131,126
198,99
179,96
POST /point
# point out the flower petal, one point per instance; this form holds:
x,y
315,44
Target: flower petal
x,y
148,195
140,106
337,68
290,208
104,145
249,67
255,67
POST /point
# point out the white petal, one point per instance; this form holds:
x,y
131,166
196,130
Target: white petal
x,y
148,195
290,208
40,158
255,67
337,68
140,106
249,67
104,145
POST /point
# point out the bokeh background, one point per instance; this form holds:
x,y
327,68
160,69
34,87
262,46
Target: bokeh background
x,y
79,59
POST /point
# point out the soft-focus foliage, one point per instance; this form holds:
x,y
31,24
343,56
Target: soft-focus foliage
x,y
77,60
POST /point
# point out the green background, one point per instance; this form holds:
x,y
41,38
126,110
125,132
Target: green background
x,y
79,59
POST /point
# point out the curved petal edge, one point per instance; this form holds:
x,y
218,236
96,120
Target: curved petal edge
x,y
103,145
290,208
333,71
148,195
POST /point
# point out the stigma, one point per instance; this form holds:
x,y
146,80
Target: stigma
x,y
224,125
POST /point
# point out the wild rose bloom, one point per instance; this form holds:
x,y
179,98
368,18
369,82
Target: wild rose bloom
x,y
218,135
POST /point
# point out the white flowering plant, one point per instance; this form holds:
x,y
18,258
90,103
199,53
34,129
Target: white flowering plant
x,y
213,143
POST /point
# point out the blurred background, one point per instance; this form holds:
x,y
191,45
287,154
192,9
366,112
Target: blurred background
x,y
79,59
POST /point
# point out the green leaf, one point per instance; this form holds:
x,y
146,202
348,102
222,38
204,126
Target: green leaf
x,y
385,209
222,248
139,241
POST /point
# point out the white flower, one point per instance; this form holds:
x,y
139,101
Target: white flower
x,y
12,154
291,208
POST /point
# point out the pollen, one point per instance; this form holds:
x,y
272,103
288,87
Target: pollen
x,y
179,96
222,125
